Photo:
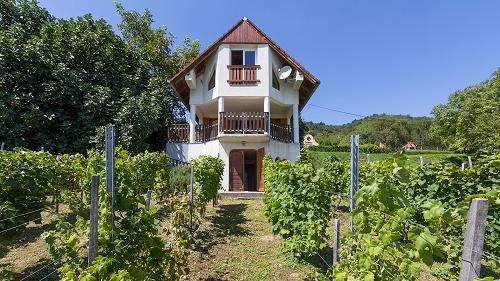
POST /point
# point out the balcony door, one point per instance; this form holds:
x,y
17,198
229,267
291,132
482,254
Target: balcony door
x,y
242,57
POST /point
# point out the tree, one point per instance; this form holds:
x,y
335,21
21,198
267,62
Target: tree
x,y
62,81
470,121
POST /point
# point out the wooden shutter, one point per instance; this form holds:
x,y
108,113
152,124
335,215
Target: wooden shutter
x,y
260,169
236,170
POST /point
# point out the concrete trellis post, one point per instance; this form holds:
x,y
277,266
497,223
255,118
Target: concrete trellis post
x,y
2,146
110,172
354,174
470,161
191,198
470,266
148,199
94,214
463,166
421,160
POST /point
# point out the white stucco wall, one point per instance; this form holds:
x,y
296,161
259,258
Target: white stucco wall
x,y
185,152
264,56
286,96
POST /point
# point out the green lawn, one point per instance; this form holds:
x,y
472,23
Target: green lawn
x,y
413,157
235,242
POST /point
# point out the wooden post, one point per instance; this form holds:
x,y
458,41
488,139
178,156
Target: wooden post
x,y
110,171
148,199
354,175
94,215
421,161
336,241
56,202
470,266
470,161
191,198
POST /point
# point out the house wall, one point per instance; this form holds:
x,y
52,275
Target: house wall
x,y
286,96
265,57
186,152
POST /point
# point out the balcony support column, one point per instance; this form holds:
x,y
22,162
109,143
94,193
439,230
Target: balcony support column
x,y
296,123
220,103
192,123
267,113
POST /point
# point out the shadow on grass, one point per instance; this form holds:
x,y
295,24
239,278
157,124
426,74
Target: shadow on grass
x,y
42,269
227,221
30,234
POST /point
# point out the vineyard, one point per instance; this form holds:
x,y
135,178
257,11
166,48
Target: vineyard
x,y
144,231
406,217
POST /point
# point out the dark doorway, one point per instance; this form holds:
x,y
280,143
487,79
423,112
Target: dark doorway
x,y
250,170
245,170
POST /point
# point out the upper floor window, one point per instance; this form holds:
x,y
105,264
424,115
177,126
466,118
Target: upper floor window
x,y
211,82
243,70
240,57
276,82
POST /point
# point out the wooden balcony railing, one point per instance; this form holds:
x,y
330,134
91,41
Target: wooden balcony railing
x,y
232,123
243,122
243,74
281,132
178,133
206,132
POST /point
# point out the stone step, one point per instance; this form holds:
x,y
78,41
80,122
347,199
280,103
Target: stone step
x,y
242,194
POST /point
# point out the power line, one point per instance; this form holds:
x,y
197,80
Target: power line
x,y
338,111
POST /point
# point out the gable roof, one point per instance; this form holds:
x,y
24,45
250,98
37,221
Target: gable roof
x,y
244,32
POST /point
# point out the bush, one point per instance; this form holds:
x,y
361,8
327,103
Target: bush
x,y
297,205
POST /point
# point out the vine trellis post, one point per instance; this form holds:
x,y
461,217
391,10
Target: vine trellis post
x,y
110,172
94,214
354,175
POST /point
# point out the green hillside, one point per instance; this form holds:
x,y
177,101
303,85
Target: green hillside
x,y
393,130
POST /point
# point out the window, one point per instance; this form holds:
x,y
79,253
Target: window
x,y
249,57
239,57
276,82
211,82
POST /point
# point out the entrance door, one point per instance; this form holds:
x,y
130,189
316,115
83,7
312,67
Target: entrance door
x,y
260,169
236,170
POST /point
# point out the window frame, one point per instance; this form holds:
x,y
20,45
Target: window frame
x,y
244,50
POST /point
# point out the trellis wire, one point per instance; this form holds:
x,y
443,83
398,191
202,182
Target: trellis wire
x,y
21,215
14,227
48,275
35,272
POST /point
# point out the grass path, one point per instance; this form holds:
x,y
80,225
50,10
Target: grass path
x,y
235,243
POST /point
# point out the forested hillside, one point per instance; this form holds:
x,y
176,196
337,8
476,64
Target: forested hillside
x,y
393,130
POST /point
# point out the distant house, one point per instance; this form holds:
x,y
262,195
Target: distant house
x,y
310,141
241,105
410,145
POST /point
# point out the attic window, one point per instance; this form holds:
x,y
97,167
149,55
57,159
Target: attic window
x,y
276,82
211,82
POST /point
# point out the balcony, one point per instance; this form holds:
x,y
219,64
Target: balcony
x,y
243,74
235,124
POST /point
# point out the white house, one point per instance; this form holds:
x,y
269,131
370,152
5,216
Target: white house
x,y
240,110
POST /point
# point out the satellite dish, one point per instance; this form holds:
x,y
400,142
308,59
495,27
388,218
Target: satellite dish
x,y
284,72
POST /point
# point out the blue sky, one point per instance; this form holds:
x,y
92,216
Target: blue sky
x,y
396,57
